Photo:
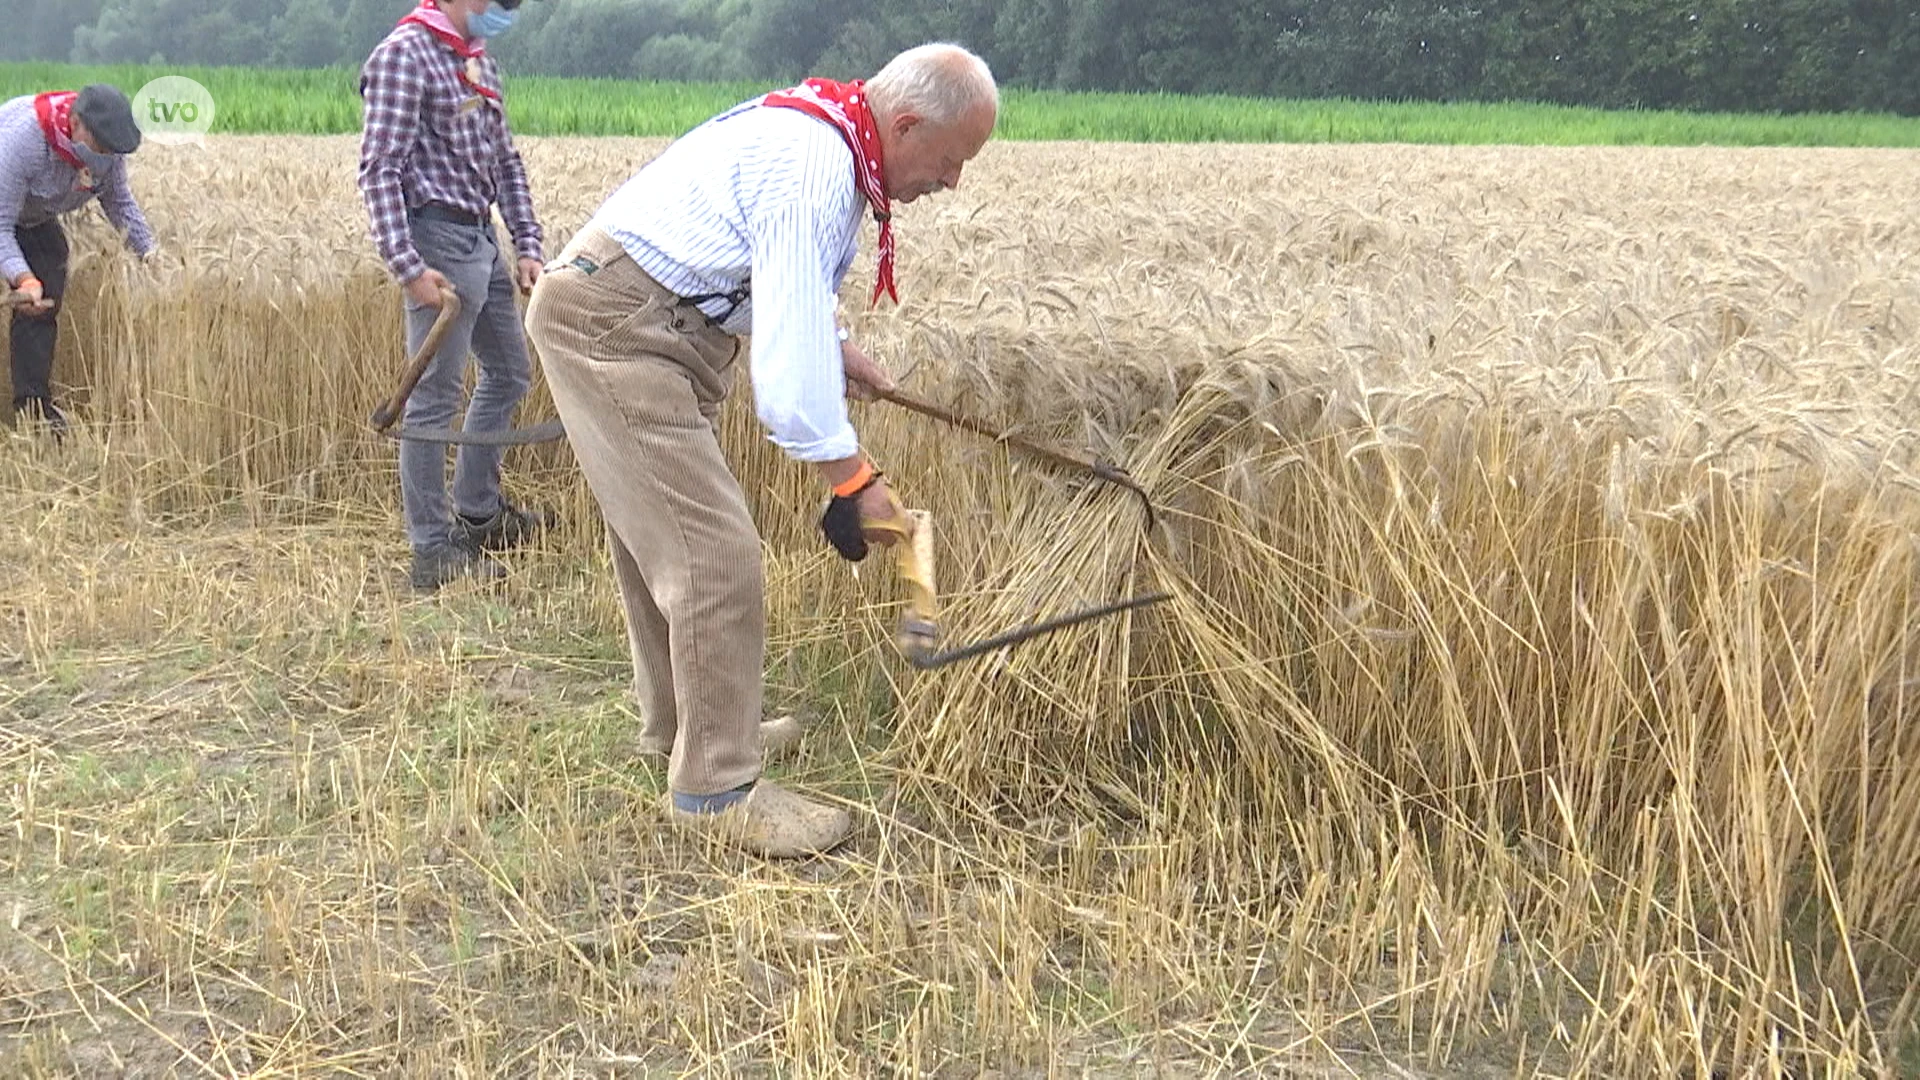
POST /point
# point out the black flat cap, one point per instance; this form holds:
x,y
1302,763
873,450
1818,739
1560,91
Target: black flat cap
x,y
109,115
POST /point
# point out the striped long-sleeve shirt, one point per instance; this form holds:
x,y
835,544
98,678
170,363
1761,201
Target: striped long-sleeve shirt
x,y
428,138
766,198
37,185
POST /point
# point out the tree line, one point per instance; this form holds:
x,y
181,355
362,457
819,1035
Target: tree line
x,y
1719,55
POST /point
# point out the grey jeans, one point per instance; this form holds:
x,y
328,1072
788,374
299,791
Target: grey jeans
x,y
489,327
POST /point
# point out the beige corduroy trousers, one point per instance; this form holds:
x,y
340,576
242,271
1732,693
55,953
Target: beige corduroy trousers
x,y
638,382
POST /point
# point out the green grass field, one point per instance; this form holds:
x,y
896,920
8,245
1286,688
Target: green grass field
x,y
318,102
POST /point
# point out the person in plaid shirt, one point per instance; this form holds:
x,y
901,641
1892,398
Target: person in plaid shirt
x,y
435,157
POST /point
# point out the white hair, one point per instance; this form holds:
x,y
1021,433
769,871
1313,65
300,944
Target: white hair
x,y
939,81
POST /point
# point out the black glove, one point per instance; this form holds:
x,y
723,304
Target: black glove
x,y
841,523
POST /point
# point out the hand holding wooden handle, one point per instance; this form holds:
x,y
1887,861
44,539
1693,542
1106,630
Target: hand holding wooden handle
x,y
389,411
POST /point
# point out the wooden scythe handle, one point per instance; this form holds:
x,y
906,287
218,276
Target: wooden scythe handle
x,y
913,541
1112,474
389,411
977,427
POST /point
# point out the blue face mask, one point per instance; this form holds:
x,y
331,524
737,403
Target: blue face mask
x,y
490,23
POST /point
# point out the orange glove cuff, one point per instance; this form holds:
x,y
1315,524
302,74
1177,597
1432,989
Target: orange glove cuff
x,y
857,482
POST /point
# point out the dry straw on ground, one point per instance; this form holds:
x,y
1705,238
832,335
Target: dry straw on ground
x,y
1536,696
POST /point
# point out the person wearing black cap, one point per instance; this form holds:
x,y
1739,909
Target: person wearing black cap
x,y
58,151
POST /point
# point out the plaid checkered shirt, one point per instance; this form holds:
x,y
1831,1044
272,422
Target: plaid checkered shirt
x,y
428,138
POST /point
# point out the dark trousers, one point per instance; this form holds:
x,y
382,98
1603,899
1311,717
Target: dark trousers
x,y
45,248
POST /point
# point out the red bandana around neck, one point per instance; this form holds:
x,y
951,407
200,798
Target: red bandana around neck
x,y
435,21
844,105
55,110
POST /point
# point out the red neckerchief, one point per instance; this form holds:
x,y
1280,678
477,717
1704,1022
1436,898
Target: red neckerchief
x,y
844,105
435,21
55,110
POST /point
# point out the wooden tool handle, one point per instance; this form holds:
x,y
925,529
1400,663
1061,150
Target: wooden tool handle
x,y
980,427
389,411
919,633
1112,474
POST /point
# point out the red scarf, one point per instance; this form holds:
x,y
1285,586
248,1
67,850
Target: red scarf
x,y
435,21
55,110
844,105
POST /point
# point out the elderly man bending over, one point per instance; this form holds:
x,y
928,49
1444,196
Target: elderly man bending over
x,y
58,151
745,225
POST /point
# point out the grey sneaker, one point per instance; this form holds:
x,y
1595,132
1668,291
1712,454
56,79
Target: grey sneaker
x,y
510,527
435,566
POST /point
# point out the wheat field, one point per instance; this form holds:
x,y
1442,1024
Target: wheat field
x,y
1537,696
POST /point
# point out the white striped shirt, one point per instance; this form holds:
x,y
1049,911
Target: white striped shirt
x,y
766,195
